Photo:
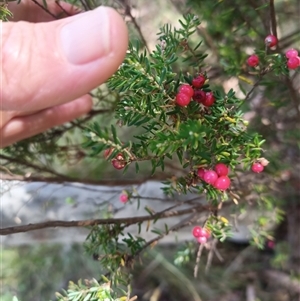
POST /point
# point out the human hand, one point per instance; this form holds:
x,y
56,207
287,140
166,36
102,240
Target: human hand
x,y
48,68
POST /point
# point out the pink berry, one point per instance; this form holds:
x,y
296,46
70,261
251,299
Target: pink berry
x,y
253,60
107,152
222,183
118,162
200,173
264,162
202,240
293,63
210,177
291,53
123,198
199,96
186,89
182,99
257,167
197,231
209,100
271,40
271,244
198,81
204,233
221,169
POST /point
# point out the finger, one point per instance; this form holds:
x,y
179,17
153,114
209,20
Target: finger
x,y
6,116
23,127
32,11
61,60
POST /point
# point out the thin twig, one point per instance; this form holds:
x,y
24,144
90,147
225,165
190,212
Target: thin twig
x,y
200,249
44,9
87,5
250,292
63,10
60,131
250,92
84,5
294,95
133,20
30,165
187,221
209,260
7,170
65,179
262,73
94,222
273,23
213,249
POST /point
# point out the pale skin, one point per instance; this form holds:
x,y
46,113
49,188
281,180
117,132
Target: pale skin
x,y
44,82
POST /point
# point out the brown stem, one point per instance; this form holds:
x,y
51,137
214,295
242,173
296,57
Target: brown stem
x,y
273,21
30,165
65,179
62,9
262,73
200,249
93,222
44,9
133,20
182,224
294,95
74,124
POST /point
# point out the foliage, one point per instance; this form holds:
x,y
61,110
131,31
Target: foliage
x,y
91,290
4,12
196,135
142,96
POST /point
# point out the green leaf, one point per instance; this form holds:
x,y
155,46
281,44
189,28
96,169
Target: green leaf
x,y
114,133
87,297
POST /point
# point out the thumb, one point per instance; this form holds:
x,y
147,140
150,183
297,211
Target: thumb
x,y
47,64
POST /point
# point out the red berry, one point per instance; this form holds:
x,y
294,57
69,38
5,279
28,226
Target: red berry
x,y
293,63
107,152
253,60
209,100
210,177
200,173
182,99
124,198
271,244
186,89
202,240
198,81
118,162
204,233
271,40
199,96
221,169
257,167
222,183
291,53
197,231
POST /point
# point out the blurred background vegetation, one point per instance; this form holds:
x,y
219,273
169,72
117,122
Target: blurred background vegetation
x,y
231,30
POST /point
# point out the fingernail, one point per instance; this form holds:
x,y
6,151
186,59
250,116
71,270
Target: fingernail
x,y
86,38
